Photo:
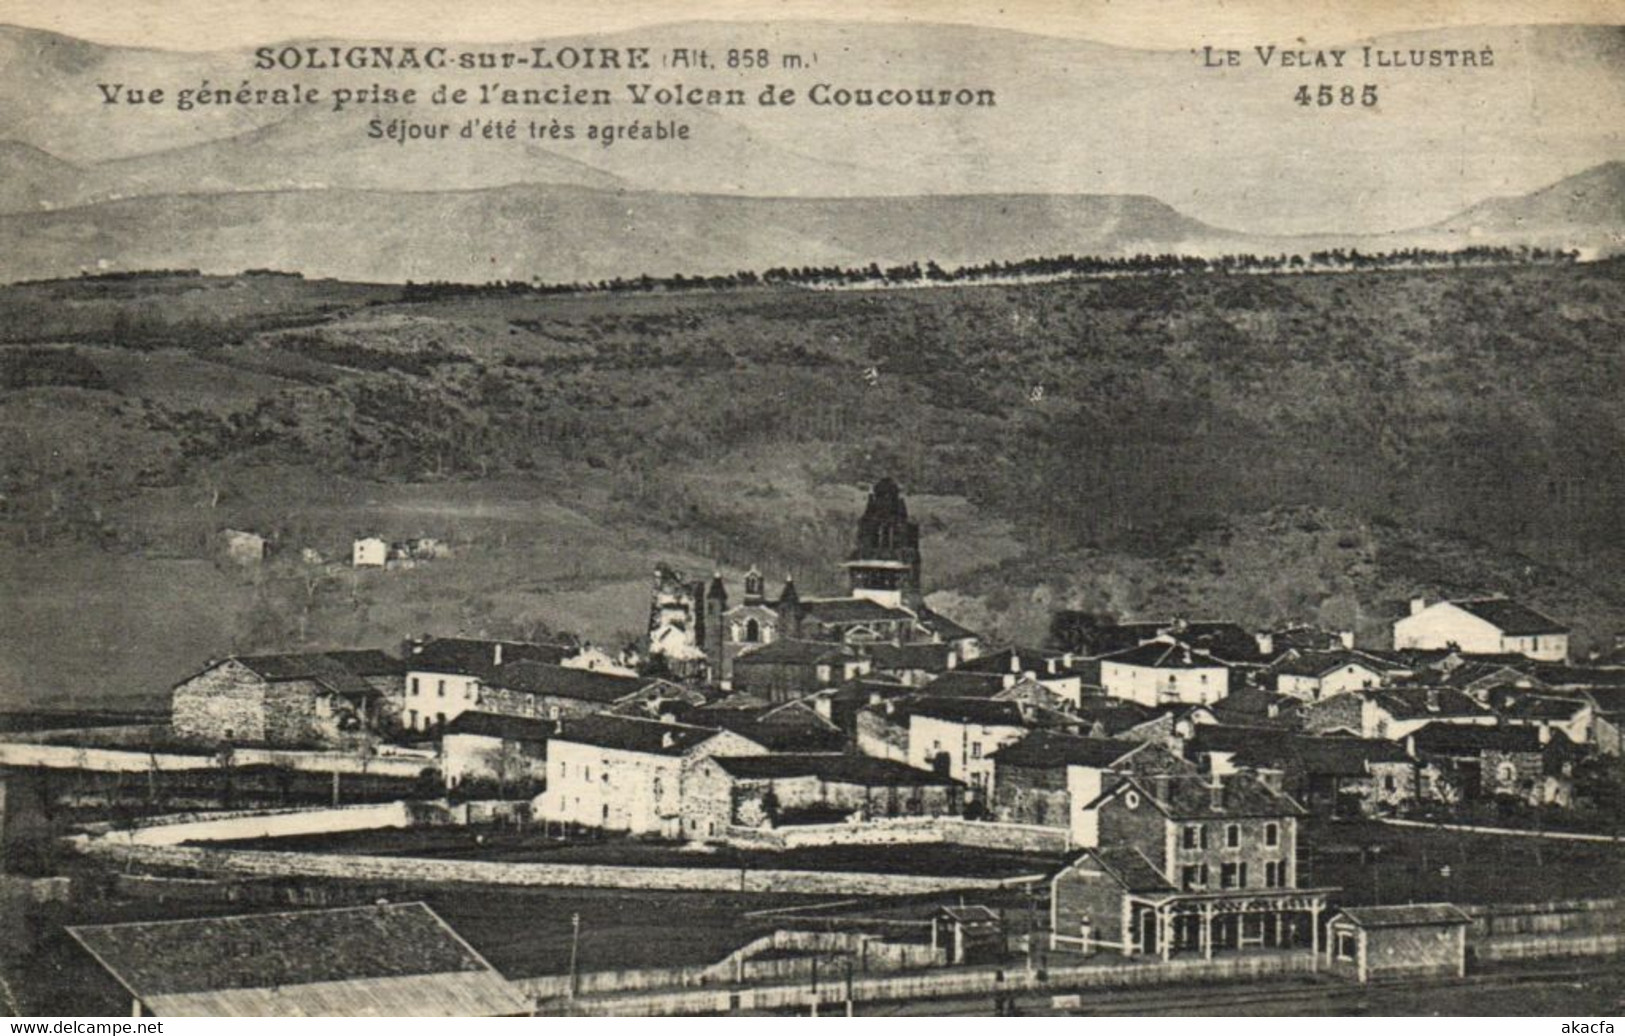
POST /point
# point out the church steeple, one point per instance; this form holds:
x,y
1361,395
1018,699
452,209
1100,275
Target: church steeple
x,y
755,586
884,565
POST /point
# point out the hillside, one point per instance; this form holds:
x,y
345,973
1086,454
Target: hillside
x,y
1591,201
1448,430
526,232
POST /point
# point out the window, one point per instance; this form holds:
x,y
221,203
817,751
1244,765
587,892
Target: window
x,y
1388,783
1193,837
415,689
1190,877
440,720
753,631
1274,874
1232,836
586,773
1272,834
976,750
441,687
1227,875
1241,879
412,719
1347,948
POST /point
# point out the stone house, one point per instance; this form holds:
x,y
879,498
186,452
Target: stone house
x,y
1481,626
956,737
1188,863
776,790
1164,672
1395,712
616,773
1407,941
1531,764
313,700
508,751
788,669
1311,676
369,552
1333,776
1051,778
444,675
242,547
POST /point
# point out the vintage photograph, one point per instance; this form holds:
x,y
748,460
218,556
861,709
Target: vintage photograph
x,y
812,508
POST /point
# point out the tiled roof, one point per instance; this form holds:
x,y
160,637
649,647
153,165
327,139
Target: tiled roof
x,y
930,658
1578,676
841,611
834,768
635,735
792,728
368,662
346,961
796,652
564,682
465,657
1471,739
1165,655
1406,915
1190,796
1418,702
957,683
1012,660
508,728
1321,663
1044,749
982,711
1131,868
1540,707
1302,753
1113,715
944,627
319,667
1510,617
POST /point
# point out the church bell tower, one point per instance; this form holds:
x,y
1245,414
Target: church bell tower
x,y
884,566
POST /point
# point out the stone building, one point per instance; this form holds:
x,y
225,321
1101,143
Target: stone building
x,y
621,774
1410,941
693,626
315,700
1188,863
776,790
1164,672
509,752
1052,778
1481,626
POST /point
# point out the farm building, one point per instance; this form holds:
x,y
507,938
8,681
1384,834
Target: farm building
x,y
310,700
1388,942
773,790
1482,626
374,961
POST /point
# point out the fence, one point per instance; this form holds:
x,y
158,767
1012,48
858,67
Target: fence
x,y
906,831
15,752
1518,832
944,983
1604,944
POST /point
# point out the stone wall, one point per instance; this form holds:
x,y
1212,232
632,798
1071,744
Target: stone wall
x,y
224,703
411,871
906,831
115,760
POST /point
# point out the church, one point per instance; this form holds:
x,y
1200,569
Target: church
x,y
699,634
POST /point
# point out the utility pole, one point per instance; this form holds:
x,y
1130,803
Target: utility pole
x,y
575,954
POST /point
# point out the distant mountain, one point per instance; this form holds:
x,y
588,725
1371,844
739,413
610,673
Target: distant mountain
x,y
31,179
564,233
1589,207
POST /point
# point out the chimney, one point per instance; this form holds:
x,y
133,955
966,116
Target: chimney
x,y
953,660
1215,791
1274,780
1266,643
1346,638
1545,733
668,739
875,698
1009,680
1015,662
1069,660
1418,605
496,654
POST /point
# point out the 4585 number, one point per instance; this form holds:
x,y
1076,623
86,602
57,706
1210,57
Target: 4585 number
x,y
1328,96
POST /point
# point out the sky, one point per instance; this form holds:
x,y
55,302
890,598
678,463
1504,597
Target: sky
x,y
209,24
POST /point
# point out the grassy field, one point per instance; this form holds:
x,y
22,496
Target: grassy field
x,y
1378,863
507,846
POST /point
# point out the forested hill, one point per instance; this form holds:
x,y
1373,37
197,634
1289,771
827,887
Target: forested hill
x,y
1099,422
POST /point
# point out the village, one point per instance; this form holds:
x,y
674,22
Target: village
x,y
856,785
